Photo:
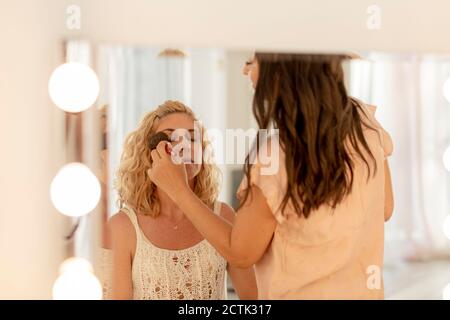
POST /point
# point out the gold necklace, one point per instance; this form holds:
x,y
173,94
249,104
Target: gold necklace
x,y
176,225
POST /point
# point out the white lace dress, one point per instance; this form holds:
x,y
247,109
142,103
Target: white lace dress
x,y
195,273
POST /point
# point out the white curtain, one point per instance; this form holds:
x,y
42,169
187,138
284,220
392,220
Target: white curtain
x,y
408,91
81,51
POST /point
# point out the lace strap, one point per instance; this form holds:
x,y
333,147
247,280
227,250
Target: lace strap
x,y
133,218
217,207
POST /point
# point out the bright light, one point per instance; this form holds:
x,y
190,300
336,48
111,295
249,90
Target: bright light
x,y
446,159
73,87
447,227
77,282
446,292
74,264
75,190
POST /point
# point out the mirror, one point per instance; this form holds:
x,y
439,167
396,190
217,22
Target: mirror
x,y
138,79
411,92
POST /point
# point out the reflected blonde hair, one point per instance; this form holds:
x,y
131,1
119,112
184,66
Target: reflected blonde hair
x,y
135,189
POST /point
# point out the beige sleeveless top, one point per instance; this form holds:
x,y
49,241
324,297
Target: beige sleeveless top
x,y
194,273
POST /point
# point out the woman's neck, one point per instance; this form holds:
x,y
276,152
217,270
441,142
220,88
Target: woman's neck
x,y
168,207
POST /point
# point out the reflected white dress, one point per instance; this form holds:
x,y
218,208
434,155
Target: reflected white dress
x,y
194,273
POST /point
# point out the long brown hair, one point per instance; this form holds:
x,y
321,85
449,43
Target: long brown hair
x,y
320,127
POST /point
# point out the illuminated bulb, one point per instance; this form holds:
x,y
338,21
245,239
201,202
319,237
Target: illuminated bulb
x,y
446,292
75,190
77,282
446,159
73,87
447,227
73,264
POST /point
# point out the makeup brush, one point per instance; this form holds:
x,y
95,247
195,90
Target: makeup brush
x,y
155,139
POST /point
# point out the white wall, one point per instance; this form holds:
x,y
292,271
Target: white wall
x,y
31,230
239,114
319,25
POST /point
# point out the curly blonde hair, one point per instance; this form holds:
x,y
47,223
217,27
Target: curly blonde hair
x,y
135,189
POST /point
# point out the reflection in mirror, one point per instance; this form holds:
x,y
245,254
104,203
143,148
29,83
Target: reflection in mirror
x,y
145,90
134,82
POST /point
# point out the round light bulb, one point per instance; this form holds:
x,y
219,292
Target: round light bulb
x,y
74,264
446,292
73,87
446,159
77,282
75,190
447,227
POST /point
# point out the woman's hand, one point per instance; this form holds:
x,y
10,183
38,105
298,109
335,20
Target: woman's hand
x,y
169,176
241,244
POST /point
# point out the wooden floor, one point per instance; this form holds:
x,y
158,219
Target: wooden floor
x,y
410,280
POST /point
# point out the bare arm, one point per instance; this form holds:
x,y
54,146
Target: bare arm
x,y
242,244
122,241
389,196
243,279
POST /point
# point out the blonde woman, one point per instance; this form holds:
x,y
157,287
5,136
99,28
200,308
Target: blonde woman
x,y
157,251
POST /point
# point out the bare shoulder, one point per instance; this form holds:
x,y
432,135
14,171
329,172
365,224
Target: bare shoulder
x,y
120,225
123,235
227,212
120,219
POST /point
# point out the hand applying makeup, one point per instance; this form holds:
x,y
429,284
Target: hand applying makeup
x,y
241,244
165,173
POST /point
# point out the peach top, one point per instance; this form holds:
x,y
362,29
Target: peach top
x,y
335,253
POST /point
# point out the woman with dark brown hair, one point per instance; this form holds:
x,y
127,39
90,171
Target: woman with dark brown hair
x,y
314,228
